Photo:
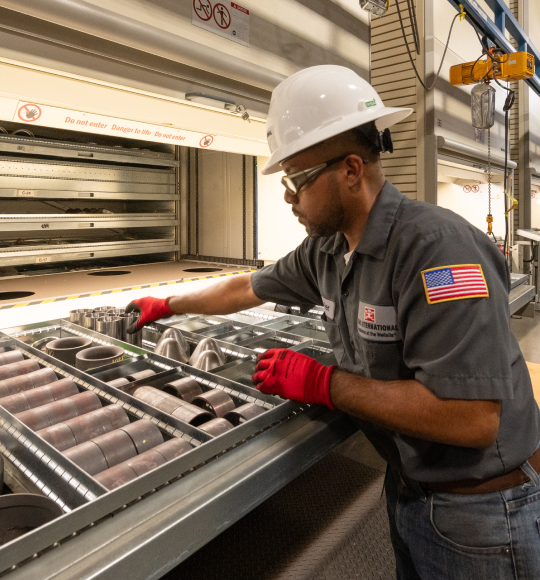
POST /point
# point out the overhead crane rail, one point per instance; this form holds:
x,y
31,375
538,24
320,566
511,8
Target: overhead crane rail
x,y
495,30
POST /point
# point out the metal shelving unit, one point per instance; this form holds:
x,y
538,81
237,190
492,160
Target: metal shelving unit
x,y
82,201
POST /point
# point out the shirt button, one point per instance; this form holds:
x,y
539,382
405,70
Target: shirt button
x,y
346,293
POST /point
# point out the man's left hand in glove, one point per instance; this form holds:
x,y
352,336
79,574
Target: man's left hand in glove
x,y
294,376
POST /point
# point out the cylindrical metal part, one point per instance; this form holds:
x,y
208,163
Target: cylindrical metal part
x,y
41,343
193,415
89,320
97,423
145,374
87,456
144,434
145,462
173,448
102,309
59,411
116,476
39,396
16,369
110,326
244,413
15,385
186,389
216,402
217,427
66,349
158,399
42,377
10,356
98,356
117,447
127,321
116,311
118,383
59,436
77,316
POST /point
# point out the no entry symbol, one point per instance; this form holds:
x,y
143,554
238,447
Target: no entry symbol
x,y
222,16
203,9
29,113
206,141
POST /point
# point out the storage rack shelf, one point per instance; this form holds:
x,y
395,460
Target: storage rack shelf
x,y
41,254
28,222
173,510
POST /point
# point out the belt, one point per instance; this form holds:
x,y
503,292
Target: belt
x,y
469,486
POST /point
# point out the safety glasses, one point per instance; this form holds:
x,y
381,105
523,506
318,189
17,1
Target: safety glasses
x,y
294,182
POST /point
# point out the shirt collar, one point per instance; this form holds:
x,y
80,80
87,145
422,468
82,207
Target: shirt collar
x,y
381,218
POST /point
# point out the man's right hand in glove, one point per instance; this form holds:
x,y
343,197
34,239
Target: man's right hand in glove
x,y
151,309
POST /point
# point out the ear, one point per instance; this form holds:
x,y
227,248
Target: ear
x,y
355,170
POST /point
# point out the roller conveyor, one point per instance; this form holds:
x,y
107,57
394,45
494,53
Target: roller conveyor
x,y
223,477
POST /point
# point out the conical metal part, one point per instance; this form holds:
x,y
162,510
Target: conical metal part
x,y
171,348
178,336
208,344
207,360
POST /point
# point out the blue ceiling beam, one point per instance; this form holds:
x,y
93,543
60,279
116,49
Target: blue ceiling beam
x,y
495,30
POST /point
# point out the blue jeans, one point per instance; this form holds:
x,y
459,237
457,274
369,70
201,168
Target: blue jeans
x,y
443,536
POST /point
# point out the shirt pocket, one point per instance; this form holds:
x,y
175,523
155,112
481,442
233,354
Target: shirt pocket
x,y
334,336
384,360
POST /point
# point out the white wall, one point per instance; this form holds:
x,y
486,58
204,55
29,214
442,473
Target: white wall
x,y
474,206
279,230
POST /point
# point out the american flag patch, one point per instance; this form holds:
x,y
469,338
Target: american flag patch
x,y
454,283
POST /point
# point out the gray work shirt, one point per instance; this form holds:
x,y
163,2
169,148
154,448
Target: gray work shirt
x,y
381,324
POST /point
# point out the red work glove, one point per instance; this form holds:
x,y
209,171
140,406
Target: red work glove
x,y
150,308
294,376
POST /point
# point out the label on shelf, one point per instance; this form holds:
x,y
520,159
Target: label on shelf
x,y
43,259
26,193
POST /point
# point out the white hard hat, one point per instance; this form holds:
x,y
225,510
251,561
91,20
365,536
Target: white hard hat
x,y
320,102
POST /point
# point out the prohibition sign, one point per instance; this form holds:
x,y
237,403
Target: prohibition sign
x,y
467,188
29,113
203,9
475,188
206,141
221,14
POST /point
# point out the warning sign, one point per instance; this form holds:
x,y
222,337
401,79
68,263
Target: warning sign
x,y
206,141
29,113
203,9
228,20
222,16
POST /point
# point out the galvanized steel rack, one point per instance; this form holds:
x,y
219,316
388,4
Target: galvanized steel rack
x,y
149,525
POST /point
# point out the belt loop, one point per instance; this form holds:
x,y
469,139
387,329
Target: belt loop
x,y
529,471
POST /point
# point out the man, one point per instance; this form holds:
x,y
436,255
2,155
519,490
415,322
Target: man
x,y
416,309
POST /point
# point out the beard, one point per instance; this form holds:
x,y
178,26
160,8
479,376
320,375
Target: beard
x,y
333,215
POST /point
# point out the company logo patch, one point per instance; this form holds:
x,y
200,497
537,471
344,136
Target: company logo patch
x,y
369,314
454,283
378,323
372,103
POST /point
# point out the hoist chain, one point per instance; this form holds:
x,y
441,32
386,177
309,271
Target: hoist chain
x,y
489,169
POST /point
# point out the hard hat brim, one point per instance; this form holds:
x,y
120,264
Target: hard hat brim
x,y
385,117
